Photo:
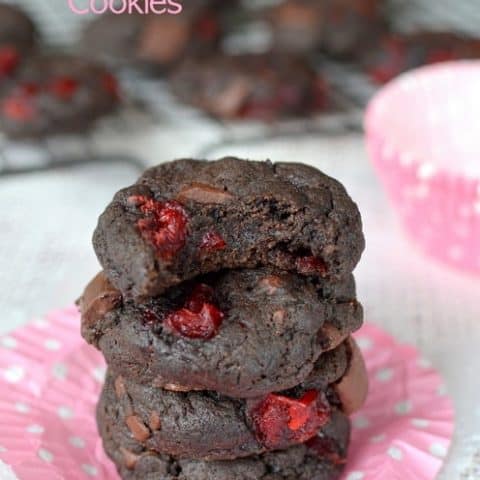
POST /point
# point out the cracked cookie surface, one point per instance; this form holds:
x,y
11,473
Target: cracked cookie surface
x,y
208,426
190,217
321,458
242,333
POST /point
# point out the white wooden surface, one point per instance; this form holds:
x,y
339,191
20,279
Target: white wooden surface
x,y
46,222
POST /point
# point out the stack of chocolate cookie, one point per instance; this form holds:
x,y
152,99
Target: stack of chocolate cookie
x,y
224,312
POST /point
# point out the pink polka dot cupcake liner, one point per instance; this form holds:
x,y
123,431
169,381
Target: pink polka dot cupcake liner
x,y
50,381
423,139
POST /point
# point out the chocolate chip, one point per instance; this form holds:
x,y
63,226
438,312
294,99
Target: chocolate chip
x,y
120,388
99,298
271,284
129,458
172,387
330,336
204,193
139,430
278,316
155,421
172,30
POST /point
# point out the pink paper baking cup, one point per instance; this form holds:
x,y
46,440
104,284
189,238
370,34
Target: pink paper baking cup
x,y
423,137
50,381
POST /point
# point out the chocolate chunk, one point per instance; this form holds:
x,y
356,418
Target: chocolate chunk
x,y
99,298
203,193
139,430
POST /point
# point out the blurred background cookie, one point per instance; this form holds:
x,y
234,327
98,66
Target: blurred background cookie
x,y
56,94
263,87
397,53
349,27
17,39
153,40
338,27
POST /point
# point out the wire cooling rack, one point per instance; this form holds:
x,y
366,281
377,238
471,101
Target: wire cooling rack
x,y
148,103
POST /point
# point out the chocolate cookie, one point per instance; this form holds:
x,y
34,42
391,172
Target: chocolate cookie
x,y
241,333
189,217
351,27
396,53
339,27
56,94
262,87
321,458
17,38
208,426
153,40
297,25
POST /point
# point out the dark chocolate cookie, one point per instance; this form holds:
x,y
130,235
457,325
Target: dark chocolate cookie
x,y
350,27
241,333
208,426
321,458
262,87
340,27
17,38
153,40
56,94
189,217
397,53
296,25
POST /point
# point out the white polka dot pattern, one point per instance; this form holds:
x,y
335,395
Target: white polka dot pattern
x,y
45,455
8,342
356,476
50,403
14,374
77,442
395,453
22,407
52,344
35,429
65,413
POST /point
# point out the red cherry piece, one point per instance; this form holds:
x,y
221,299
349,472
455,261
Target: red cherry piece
x,y
382,74
199,318
391,62
207,28
262,110
29,89
110,84
289,95
279,421
201,294
319,95
212,241
197,325
439,55
298,413
64,87
18,108
310,266
164,225
326,448
9,60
